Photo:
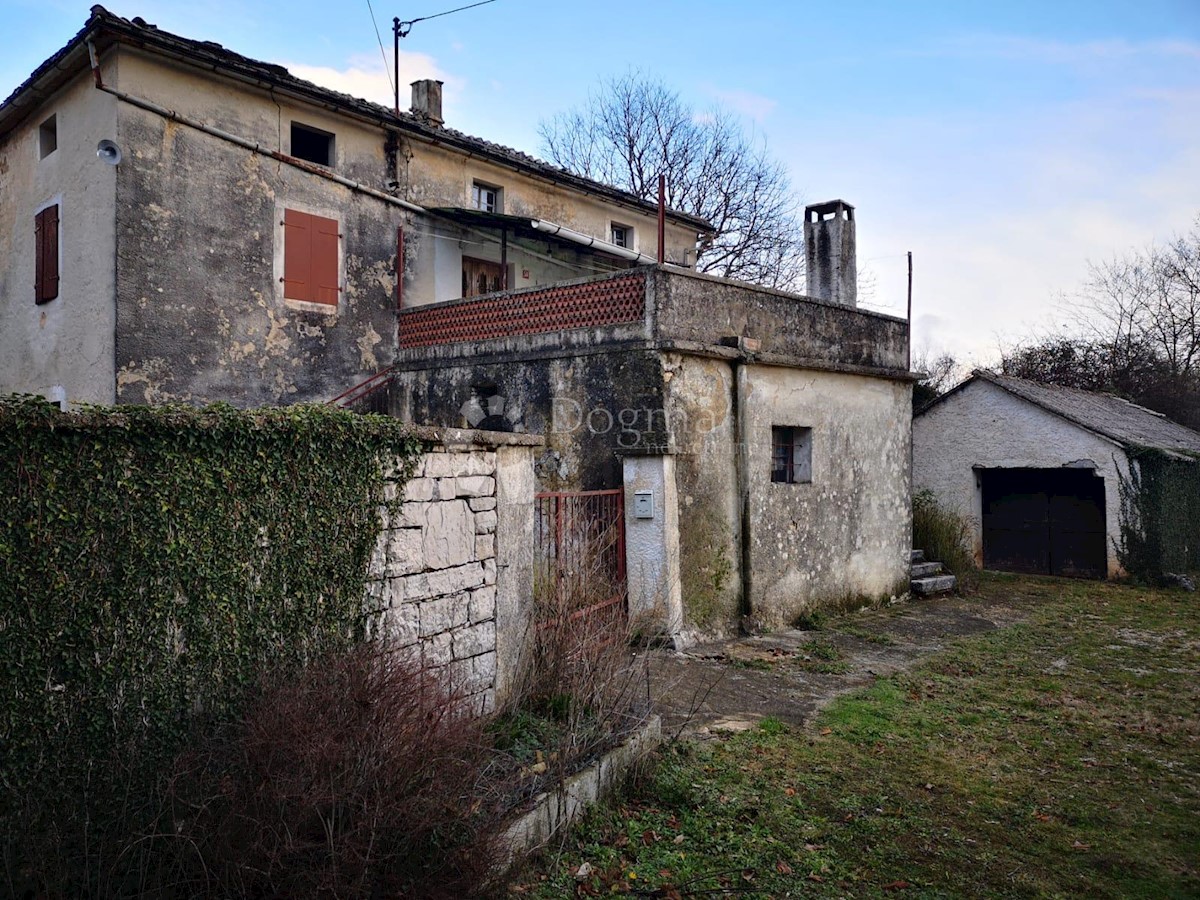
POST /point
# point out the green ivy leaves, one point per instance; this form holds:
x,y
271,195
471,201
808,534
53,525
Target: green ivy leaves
x,y
154,559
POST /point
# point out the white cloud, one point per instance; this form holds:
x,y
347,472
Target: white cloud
x,y
367,77
747,103
1003,209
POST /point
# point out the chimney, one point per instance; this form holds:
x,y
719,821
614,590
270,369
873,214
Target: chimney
x,y
427,101
829,252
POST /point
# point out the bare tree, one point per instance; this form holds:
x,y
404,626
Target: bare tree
x,y
1138,319
941,372
634,128
1147,299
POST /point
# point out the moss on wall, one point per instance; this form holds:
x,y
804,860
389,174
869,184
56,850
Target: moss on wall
x,y
706,565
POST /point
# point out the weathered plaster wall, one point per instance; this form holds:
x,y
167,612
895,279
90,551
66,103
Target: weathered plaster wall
x,y
452,571
429,175
67,342
589,407
703,431
200,309
699,309
984,425
652,546
843,539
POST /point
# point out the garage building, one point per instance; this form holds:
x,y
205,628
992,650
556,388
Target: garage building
x,y
1035,470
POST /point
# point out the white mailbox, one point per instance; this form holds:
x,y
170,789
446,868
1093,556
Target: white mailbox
x,y
643,504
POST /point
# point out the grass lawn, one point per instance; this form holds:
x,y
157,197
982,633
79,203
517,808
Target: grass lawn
x,y
1058,757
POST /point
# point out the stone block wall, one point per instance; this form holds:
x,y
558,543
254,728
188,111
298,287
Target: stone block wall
x,y
439,563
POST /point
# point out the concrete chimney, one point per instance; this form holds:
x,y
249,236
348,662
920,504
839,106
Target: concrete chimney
x,y
829,252
427,101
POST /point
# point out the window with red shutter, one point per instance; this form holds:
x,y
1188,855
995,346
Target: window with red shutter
x,y
310,258
45,279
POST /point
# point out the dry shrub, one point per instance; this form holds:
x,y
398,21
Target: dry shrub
x,y
945,537
360,777
582,675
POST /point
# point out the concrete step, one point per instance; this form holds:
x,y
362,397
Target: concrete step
x,y
918,556
924,569
934,584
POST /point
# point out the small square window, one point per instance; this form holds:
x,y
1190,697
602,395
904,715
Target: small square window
x,y
485,197
48,137
791,455
622,236
312,145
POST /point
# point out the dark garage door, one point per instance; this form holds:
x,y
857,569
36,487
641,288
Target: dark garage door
x,y
1044,521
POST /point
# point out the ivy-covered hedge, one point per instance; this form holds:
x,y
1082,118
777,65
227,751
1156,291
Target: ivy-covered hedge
x,y
153,561
1160,515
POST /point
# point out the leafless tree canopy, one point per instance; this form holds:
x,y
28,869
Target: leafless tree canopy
x,y
635,128
1138,320
1148,299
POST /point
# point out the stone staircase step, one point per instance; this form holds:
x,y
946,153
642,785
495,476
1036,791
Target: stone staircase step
x,y
934,584
924,569
918,556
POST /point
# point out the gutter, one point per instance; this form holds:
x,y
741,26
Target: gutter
x,y
589,241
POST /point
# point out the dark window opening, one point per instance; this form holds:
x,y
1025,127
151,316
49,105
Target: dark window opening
x,y
48,137
791,455
312,144
622,235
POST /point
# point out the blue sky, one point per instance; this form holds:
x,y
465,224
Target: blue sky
x,y
1005,144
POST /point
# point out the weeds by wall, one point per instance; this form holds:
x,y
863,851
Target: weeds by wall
x,y
155,561
1159,515
945,537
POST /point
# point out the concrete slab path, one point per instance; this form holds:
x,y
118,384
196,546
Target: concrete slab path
x,y
731,685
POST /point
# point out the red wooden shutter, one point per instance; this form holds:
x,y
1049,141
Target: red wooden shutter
x,y
46,261
310,257
297,255
325,260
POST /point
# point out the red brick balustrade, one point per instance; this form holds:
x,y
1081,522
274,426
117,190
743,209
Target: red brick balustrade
x,y
589,305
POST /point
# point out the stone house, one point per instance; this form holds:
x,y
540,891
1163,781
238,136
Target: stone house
x,y
1037,471
182,223
761,438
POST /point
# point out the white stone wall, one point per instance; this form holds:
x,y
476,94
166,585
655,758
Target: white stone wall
x,y
985,426
434,572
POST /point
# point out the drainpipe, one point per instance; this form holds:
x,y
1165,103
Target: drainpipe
x,y
311,168
662,219
741,477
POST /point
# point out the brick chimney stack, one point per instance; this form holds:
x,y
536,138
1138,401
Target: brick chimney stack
x,y
830,252
427,101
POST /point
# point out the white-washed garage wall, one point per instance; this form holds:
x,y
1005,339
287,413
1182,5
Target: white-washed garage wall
x,y
984,425
452,570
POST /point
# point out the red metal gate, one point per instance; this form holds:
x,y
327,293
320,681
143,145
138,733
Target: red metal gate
x,y
580,560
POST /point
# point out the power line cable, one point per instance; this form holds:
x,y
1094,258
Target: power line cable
x,y
382,52
411,22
